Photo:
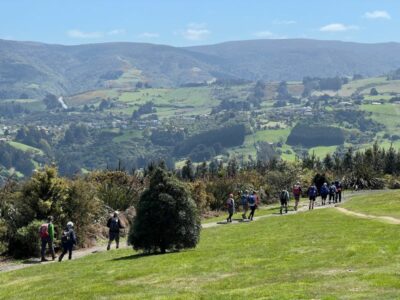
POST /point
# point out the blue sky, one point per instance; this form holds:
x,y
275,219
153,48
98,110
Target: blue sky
x,y
186,22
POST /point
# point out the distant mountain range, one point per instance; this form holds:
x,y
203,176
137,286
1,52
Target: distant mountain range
x,y
37,68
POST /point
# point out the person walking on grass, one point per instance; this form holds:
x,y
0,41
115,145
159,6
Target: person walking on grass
x,y
114,224
230,205
46,233
312,195
296,194
68,240
253,201
338,185
332,193
284,198
244,202
324,193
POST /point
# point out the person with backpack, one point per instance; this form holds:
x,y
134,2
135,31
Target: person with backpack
x,y
324,193
284,198
230,205
253,201
338,198
46,233
312,195
115,225
68,240
297,194
244,202
332,193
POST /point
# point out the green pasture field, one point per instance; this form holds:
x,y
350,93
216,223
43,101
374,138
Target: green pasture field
x,y
26,148
382,204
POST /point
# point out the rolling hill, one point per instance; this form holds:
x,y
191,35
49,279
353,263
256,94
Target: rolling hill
x,y
37,68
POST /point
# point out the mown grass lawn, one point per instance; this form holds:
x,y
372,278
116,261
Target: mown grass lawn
x,y
381,204
314,255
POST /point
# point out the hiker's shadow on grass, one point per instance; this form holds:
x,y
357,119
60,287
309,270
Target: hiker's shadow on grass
x,y
142,255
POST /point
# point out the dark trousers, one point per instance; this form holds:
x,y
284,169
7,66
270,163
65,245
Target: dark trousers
x,y
229,219
284,205
339,197
331,198
51,247
66,248
252,210
113,236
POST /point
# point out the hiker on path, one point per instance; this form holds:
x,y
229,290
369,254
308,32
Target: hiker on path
x,y
312,195
338,198
115,225
245,203
68,240
284,198
297,194
332,193
324,193
230,204
253,201
46,233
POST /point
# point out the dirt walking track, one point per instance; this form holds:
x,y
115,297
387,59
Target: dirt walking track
x,y
11,265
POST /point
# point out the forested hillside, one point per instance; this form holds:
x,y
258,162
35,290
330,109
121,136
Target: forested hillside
x,y
36,68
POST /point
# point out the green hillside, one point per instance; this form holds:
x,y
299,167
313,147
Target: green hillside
x,y
314,255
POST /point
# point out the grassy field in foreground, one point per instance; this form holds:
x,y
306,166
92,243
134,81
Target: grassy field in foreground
x,y
314,255
382,204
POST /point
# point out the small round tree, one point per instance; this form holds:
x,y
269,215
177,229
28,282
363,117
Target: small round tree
x,y
166,216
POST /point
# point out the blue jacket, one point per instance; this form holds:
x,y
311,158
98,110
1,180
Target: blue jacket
x,y
312,191
324,190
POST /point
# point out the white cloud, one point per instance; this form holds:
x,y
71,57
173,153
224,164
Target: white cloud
x,y
337,27
196,32
263,34
266,34
284,22
116,32
79,34
75,33
377,14
149,35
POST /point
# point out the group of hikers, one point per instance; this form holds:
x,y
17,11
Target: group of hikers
x,y
251,200
68,237
334,191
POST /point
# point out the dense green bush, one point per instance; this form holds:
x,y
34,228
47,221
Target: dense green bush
x,y
26,241
167,217
117,189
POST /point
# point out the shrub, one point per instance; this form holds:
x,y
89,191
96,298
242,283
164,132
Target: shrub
x,y
117,189
167,217
26,240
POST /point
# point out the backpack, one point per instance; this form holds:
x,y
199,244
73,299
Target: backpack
x,y
284,196
296,190
332,189
44,231
66,237
114,226
324,190
244,199
313,191
252,200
